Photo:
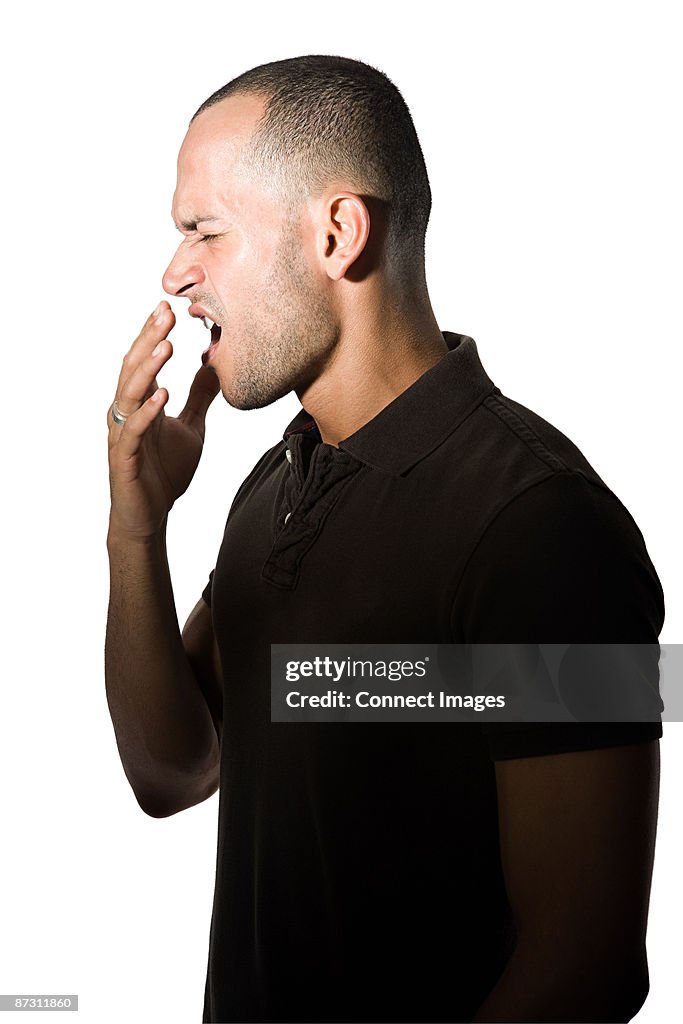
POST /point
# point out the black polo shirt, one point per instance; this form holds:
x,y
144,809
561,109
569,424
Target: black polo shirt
x,y
358,874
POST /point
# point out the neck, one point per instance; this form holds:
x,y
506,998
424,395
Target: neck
x,y
378,356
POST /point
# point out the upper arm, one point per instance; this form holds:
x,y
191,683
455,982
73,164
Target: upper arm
x,y
577,836
202,651
563,562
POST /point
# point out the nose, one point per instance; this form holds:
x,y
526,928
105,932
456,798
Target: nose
x,y
183,272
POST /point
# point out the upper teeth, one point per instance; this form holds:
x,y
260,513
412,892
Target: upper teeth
x,y
207,323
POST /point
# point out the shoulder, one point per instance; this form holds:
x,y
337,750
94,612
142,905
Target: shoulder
x,y
517,426
562,556
497,456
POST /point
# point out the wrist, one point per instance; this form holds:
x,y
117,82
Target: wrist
x,y
119,537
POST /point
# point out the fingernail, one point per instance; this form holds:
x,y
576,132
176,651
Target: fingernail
x,y
156,311
160,317
157,350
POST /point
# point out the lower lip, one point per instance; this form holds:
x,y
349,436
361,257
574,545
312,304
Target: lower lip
x,y
210,352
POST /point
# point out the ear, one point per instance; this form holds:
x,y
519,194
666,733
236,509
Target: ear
x,y
344,234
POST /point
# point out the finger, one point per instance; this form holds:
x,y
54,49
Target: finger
x,y
157,327
203,390
142,383
138,423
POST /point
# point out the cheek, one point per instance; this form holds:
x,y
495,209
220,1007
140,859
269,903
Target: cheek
x,y
259,249
243,268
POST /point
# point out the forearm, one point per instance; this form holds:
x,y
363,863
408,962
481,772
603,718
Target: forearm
x,y
544,983
166,739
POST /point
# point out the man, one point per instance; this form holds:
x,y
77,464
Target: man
x,y
387,871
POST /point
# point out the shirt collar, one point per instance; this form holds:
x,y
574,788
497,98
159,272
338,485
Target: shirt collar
x,y
421,417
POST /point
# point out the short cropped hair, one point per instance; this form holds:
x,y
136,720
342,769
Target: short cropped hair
x,y
328,118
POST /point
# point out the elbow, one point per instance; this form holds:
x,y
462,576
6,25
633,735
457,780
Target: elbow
x,y
566,983
622,996
163,803
156,808
633,994
157,803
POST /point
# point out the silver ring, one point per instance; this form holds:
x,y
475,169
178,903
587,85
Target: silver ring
x,y
117,416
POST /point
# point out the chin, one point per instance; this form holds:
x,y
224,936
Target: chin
x,y
244,389
250,396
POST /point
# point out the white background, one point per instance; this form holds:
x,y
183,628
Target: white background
x,y
552,135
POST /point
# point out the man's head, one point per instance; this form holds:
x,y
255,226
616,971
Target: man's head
x,y
312,173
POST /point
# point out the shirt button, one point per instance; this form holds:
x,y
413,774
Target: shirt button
x,y
287,516
288,453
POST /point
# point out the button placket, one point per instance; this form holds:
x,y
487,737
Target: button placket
x,y
299,481
328,474
293,482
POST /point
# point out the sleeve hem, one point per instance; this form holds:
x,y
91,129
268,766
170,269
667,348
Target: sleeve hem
x,y
561,738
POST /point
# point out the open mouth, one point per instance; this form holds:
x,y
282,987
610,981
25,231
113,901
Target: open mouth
x,y
209,352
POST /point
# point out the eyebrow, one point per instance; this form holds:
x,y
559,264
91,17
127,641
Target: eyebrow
x,y
191,225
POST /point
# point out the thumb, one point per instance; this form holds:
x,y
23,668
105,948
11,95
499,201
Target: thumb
x,y
203,390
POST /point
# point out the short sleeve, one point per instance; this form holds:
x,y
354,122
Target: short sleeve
x,y
206,593
562,562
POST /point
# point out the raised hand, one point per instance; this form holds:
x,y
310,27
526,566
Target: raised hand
x,y
152,456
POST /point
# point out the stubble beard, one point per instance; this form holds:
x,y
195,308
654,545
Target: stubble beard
x,y
283,346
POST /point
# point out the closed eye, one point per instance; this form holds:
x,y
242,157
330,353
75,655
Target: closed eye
x,y
208,238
